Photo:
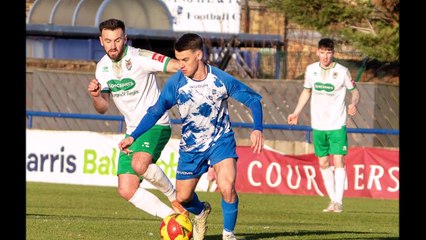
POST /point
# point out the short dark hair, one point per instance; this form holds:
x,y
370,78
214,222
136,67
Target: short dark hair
x,y
112,24
189,41
326,43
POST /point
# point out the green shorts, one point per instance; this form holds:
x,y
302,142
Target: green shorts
x,y
153,142
330,142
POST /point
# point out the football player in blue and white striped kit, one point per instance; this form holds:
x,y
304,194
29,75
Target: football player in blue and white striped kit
x,y
201,93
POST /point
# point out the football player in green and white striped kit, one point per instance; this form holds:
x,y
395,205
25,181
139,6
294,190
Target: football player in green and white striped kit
x,y
127,75
327,81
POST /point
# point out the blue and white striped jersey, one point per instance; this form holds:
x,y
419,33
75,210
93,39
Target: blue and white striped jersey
x,y
203,107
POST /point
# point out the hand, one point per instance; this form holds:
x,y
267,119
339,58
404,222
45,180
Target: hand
x,y
257,141
292,119
124,145
352,109
94,88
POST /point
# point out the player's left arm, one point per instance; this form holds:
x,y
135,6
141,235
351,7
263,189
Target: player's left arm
x,y
352,107
351,86
251,99
256,136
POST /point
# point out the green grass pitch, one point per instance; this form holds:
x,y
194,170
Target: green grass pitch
x,y
65,212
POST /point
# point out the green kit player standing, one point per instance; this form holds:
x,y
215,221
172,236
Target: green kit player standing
x,y
327,82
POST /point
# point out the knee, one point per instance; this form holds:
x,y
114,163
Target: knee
x,y
324,163
324,166
126,192
139,165
228,192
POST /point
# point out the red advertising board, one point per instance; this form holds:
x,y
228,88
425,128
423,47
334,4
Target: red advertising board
x,y
371,173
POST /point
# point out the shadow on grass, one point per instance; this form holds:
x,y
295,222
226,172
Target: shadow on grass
x,y
298,234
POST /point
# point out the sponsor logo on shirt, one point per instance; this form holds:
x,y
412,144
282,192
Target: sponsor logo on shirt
x,y
158,57
327,87
121,85
199,86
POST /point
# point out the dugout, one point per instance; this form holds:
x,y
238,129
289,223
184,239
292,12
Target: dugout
x,y
142,14
58,29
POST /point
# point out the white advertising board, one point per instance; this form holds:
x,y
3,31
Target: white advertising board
x,y
220,16
86,158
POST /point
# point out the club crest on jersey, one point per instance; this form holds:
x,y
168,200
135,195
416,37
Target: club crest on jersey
x,y
334,75
158,57
128,64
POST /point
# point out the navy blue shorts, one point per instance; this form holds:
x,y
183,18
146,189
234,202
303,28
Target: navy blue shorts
x,y
193,165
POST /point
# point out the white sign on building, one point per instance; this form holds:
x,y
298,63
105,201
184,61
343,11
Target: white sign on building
x,y
221,16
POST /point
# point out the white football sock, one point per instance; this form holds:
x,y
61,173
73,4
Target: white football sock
x,y
339,178
328,177
156,176
150,203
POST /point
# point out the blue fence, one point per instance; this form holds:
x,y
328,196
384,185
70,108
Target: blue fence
x,y
120,119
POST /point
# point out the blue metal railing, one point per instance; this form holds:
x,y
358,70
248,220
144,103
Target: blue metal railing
x,y
120,119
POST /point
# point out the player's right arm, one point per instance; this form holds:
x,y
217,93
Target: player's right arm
x,y
165,101
303,99
100,100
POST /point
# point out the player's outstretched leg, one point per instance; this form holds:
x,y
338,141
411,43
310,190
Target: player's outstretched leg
x,y
156,176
